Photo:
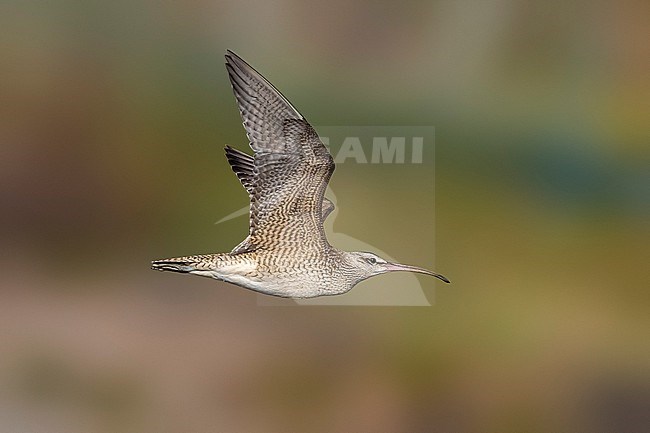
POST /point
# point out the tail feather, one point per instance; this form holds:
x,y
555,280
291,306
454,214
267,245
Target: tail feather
x,y
183,264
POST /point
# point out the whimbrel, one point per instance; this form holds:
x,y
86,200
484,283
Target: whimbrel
x,y
286,252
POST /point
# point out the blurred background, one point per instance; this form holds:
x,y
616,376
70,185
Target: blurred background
x,y
112,126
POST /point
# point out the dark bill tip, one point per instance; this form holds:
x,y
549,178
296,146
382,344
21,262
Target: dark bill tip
x,y
392,267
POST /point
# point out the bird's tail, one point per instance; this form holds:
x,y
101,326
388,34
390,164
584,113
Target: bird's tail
x,y
186,264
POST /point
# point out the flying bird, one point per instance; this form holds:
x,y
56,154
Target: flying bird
x,y
286,252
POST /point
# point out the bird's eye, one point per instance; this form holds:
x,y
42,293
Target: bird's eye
x,y
371,260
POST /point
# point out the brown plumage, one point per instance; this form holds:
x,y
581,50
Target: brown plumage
x,y
286,252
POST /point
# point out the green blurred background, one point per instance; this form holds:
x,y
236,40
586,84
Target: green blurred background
x,y
114,115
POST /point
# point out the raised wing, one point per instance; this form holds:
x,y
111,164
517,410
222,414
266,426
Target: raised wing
x,y
243,166
291,166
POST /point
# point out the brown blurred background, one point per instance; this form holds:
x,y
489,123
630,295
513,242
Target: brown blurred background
x,y
113,118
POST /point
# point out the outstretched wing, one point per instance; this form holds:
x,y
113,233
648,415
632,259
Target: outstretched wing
x,y
243,165
291,166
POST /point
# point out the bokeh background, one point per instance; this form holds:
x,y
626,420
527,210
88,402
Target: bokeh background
x,y
113,118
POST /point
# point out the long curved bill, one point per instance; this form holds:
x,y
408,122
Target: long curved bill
x,y
393,267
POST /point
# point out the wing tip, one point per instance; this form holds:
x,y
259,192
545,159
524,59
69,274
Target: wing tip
x,y
235,61
241,73
229,54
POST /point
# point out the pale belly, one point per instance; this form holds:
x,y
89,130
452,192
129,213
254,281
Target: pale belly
x,y
284,283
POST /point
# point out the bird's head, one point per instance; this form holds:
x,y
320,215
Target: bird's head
x,y
365,265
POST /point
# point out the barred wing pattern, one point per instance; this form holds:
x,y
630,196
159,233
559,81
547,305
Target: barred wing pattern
x,y
243,165
291,166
